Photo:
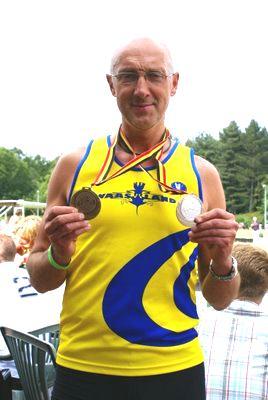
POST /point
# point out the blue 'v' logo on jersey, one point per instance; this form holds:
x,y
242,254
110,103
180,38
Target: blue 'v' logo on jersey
x,y
179,186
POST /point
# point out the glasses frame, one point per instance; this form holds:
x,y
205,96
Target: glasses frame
x,y
138,75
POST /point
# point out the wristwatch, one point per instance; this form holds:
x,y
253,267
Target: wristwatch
x,y
231,274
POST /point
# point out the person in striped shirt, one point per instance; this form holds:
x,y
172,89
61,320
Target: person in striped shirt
x,y
235,340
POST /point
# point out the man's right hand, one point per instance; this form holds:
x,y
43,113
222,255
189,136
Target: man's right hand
x,y
62,225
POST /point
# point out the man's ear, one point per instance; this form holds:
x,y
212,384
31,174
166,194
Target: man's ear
x,y
175,82
111,84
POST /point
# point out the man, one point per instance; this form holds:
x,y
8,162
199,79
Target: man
x,y
235,340
127,325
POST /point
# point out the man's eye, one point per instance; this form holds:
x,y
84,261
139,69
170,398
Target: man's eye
x,y
155,76
127,77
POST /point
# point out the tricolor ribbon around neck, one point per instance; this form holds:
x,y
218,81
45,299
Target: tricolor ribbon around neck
x,y
155,151
161,170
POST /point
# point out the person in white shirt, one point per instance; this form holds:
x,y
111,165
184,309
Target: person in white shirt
x,y
22,307
235,340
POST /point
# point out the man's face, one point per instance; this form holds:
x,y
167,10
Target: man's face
x,y
144,100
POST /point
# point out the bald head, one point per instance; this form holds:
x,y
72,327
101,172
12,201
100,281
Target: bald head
x,y
139,47
7,248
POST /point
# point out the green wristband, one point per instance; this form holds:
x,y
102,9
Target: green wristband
x,y
53,262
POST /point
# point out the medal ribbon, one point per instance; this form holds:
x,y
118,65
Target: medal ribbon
x,y
136,160
155,151
161,170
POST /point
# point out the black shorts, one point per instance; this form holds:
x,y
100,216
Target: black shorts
x,y
188,384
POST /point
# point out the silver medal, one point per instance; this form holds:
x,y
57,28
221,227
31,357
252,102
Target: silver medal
x,y
188,208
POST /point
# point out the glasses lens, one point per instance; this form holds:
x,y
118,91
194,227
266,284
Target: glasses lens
x,y
127,77
155,76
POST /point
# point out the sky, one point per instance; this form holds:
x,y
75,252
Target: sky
x,y
54,55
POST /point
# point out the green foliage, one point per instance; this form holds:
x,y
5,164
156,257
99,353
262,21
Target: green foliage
x,y
247,218
255,152
21,176
206,146
16,179
242,161
231,168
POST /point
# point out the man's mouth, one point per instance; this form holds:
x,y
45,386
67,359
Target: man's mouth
x,y
143,105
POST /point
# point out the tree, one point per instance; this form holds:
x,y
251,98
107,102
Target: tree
x,y
21,175
207,147
44,184
255,151
16,179
41,170
231,168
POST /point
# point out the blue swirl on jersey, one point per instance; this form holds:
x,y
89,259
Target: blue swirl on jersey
x,y
182,296
123,310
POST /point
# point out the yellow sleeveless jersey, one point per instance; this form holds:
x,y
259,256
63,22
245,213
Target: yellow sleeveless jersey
x,y
129,304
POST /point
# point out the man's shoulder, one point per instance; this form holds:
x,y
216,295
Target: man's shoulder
x,y
75,156
67,164
204,165
72,156
213,194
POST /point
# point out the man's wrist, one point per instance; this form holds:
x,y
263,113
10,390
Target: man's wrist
x,y
224,277
53,262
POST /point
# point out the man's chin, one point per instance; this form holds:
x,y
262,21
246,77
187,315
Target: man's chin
x,y
142,123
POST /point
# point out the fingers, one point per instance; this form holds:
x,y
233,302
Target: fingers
x,y
60,210
216,226
216,213
68,230
65,222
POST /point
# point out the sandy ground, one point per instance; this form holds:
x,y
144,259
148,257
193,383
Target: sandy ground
x,y
248,234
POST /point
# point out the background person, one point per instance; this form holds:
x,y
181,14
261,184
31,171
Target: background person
x,y
25,232
129,314
7,249
22,307
255,226
14,219
235,340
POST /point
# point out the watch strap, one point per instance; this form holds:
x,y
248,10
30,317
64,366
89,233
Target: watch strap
x,y
231,274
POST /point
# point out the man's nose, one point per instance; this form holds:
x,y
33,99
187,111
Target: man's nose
x,y
141,86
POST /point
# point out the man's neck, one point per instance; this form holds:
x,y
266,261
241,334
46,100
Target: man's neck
x,y
142,140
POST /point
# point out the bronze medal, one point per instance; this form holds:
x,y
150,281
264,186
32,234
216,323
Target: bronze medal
x,y
188,208
87,202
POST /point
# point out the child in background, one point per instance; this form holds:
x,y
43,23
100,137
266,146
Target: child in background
x,y
25,232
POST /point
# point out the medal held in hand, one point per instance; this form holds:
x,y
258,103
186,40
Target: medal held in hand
x,y
87,202
188,208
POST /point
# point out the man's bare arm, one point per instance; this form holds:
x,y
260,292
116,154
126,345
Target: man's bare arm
x,y
60,227
215,233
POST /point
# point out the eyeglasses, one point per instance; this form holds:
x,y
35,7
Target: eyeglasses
x,y
131,78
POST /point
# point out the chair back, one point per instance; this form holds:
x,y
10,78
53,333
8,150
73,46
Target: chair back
x,y
35,359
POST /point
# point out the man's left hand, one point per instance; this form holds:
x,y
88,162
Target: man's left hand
x,y
215,229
